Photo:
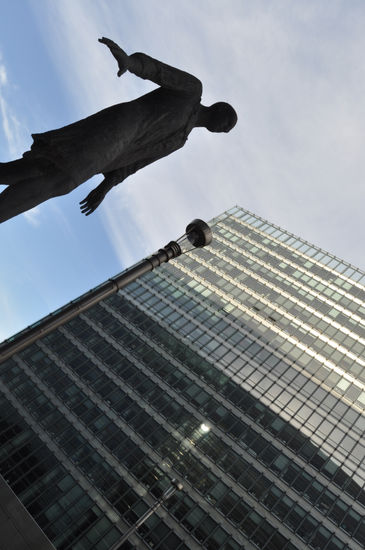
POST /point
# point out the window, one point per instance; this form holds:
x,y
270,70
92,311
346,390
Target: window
x,y
283,507
217,492
307,528
262,534
216,540
250,523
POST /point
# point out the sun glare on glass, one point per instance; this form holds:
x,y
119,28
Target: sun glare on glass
x,y
204,428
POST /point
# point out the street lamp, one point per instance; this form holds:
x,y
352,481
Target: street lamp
x,y
197,235
175,486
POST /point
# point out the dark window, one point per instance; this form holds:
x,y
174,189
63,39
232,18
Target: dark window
x,y
250,523
216,540
262,534
204,529
238,513
283,507
320,538
360,533
307,528
277,542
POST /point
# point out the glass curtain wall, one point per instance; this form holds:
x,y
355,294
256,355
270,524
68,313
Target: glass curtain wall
x,y
237,369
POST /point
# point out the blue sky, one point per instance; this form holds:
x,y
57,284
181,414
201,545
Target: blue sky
x,y
294,71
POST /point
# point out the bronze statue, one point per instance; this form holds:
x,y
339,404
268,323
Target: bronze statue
x,y
115,142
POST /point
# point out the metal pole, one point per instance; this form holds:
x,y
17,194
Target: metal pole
x,y
54,320
167,494
198,233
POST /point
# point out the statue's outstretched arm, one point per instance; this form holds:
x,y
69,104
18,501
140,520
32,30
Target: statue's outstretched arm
x,y
146,67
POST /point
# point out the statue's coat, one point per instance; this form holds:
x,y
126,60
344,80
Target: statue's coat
x,y
121,139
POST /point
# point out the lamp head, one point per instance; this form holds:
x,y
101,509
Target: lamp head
x,y
198,233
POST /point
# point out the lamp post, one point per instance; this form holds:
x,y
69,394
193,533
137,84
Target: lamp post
x,y
175,486
197,235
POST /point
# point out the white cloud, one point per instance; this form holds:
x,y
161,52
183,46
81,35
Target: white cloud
x,y
12,128
14,133
32,216
3,75
294,72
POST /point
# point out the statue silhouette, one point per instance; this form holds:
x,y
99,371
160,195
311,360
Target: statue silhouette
x,y
115,142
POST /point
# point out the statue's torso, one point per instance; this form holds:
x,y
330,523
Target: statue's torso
x,y
151,126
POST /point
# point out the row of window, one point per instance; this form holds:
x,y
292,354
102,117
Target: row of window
x,y
298,245
322,270
313,366
152,433
165,405
279,368
210,374
205,316
71,442
194,473
287,324
314,418
65,513
301,292
85,457
327,260
275,255
45,501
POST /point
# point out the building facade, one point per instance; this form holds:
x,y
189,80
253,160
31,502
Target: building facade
x,y
237,369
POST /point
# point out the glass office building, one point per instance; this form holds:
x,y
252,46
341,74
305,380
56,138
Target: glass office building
x,y
237,369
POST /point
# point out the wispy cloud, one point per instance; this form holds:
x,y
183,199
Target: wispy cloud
x,y
14,131
3,75
7,311
10,123
33,216
293,72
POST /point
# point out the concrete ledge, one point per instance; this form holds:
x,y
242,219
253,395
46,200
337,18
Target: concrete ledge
x,y
18,530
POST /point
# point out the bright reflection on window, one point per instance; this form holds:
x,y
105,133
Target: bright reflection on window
x,y
204,428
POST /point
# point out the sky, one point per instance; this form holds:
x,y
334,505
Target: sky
x,y
295,74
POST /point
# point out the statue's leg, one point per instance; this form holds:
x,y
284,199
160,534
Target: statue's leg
x,y
21,169
25,195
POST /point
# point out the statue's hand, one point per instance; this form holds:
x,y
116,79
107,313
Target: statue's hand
x,y
118,54
92,201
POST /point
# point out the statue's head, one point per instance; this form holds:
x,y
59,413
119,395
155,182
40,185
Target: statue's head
x,y
221,117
